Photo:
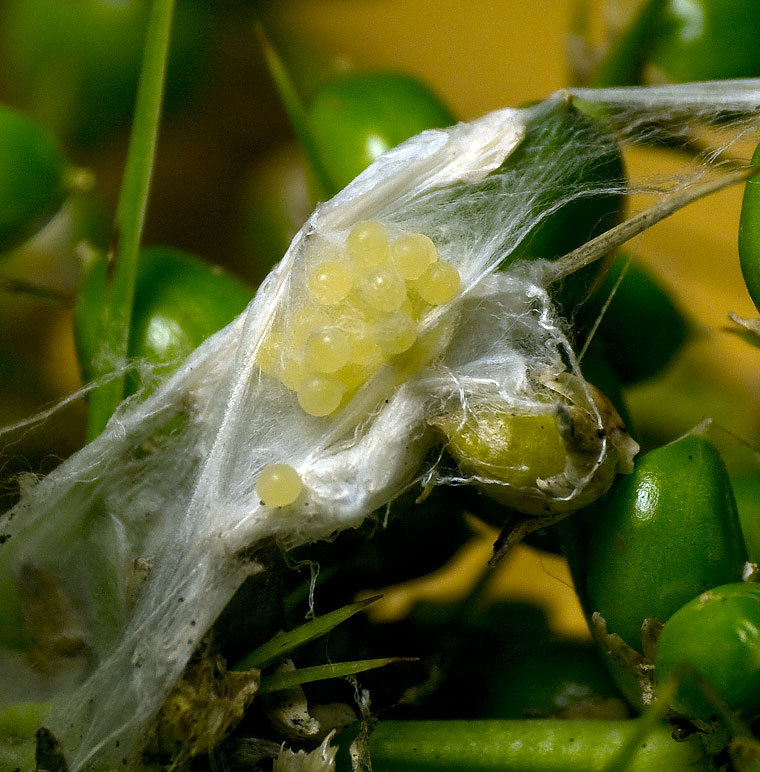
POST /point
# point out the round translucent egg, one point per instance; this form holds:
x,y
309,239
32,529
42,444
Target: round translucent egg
x,y
330,281
320,395
367,244
438,284
411,254
383,290
294,370
353,376
278,485
327,350
304,322
395,332
364,349
268,356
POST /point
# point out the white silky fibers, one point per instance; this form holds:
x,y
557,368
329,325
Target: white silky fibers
x,y
141,538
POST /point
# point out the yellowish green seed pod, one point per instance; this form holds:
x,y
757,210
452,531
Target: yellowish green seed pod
x,y
546,460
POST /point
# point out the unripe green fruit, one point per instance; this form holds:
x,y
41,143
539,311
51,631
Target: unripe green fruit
x,y
358,116
179,301
707,40
33,173
717,634
663,534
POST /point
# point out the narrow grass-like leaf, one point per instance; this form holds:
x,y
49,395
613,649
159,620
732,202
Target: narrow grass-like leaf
x,y
297,116
282,645
290,678
130,218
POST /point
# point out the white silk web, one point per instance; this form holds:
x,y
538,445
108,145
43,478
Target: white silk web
x,y
143,536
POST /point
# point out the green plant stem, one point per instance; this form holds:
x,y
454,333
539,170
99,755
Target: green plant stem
x,y
648,723
615,237
547,745
130,217
299,120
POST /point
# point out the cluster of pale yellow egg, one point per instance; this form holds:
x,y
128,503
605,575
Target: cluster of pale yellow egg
x,y
362,306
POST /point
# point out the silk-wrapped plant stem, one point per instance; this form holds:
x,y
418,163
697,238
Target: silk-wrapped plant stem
x,y
140,539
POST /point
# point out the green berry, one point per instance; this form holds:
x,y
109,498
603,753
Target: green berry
x,y
716,635
356,117
33,173
179,301
707,40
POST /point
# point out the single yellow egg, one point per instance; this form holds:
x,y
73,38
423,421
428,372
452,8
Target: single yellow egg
x,y
411,254
367,244
383,290
327,350
330,281
320,395
395,332
278,485
439,283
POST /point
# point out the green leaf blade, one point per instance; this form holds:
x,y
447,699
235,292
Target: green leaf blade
x,y
282,645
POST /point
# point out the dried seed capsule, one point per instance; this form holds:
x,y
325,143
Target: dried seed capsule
x,y
278,485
